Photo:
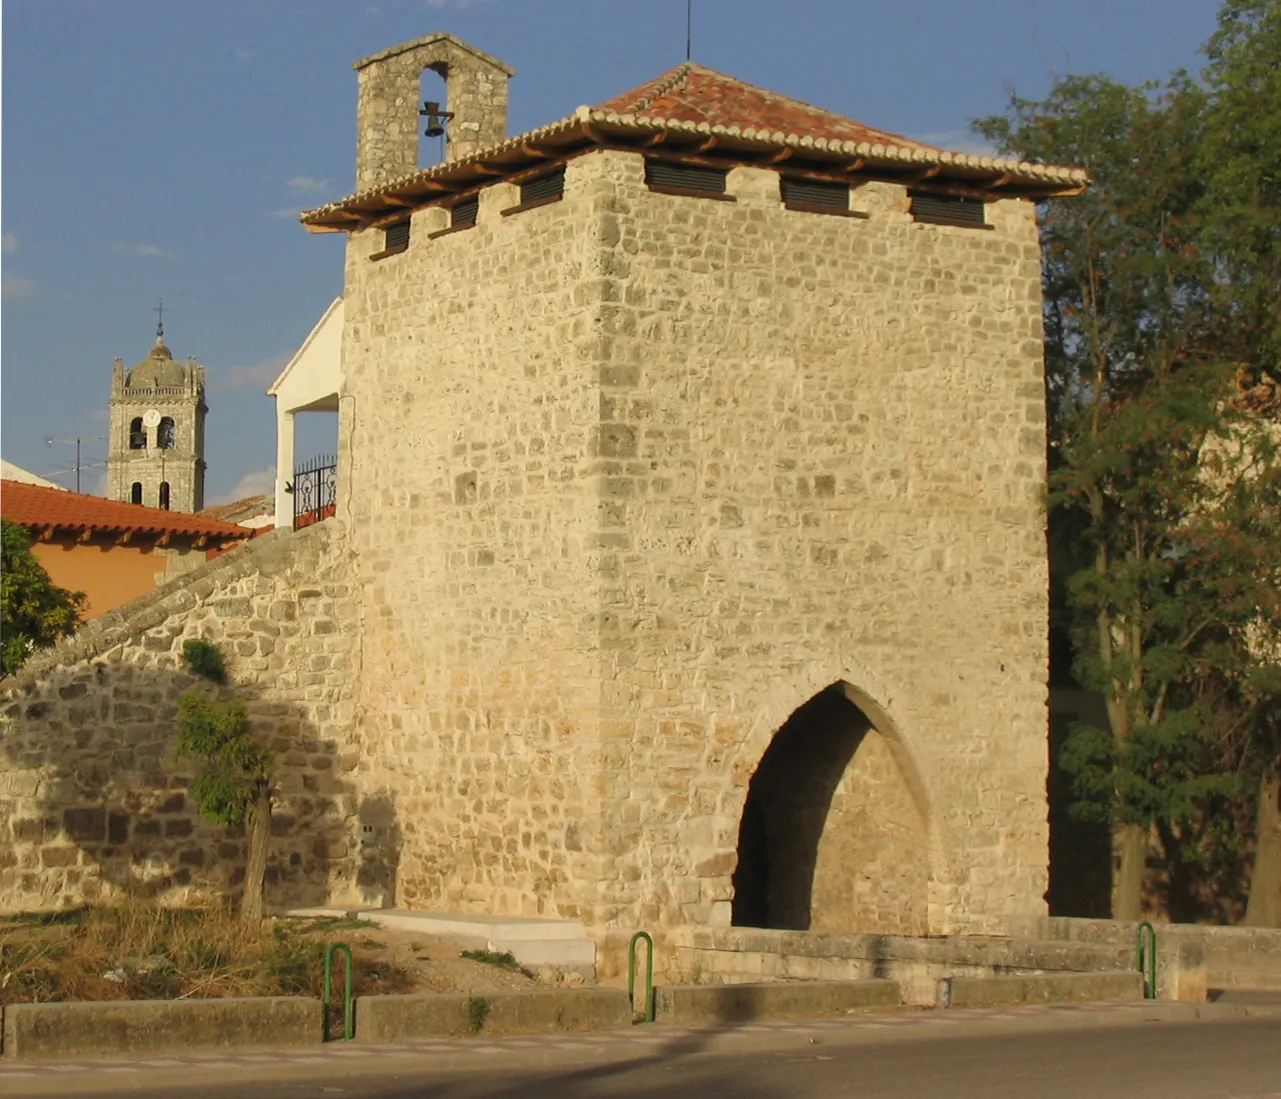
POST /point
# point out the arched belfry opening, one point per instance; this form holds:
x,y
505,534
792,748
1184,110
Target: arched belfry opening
x,y
832,836
434,115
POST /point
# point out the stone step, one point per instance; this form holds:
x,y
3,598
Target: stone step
x,y
575,953
531,940
510,929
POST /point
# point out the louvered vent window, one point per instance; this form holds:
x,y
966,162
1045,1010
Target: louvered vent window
x,y
463,214
948,209
543,188
815,194
684,179
396,236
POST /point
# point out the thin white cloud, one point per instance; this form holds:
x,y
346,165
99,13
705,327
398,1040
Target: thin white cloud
x,y
372,9
144,251
14,289
458,5
262,482
286,213
957,141
308,184
243,55
9,243
97,415
258,376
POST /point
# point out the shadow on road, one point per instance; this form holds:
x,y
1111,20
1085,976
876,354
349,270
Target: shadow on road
x,y
634,1077
616,1078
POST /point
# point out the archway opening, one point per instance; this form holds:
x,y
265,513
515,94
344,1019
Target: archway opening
x,y
831,837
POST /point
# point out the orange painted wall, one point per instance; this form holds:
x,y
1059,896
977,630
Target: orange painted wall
x,y
108,575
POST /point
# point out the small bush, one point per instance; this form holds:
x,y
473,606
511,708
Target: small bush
x,y
204,659
336,923
477,1012
505,960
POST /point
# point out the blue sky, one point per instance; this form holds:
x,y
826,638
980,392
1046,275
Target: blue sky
x,y
161,149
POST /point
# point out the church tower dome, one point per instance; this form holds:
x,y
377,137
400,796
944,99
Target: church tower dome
x,y
157,434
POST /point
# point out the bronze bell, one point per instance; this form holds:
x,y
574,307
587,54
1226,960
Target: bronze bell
x,y
436,118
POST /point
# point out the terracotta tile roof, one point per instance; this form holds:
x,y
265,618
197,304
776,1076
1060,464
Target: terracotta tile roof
x,y
691,93
38,508
237,511
694,110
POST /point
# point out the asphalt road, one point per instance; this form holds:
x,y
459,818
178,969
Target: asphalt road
x,y
1232,1059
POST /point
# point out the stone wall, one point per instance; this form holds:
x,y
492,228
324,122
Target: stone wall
x,y
93,802
1235,957
467,442
828,467
635,476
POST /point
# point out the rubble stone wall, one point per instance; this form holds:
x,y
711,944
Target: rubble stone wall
x,y
93,802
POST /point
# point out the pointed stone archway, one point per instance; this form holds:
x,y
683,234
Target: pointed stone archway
x,y
834,835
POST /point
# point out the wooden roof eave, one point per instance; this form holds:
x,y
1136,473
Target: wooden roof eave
x,y
368,211
694,145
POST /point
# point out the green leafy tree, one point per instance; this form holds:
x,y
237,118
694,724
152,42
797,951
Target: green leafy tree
x,y
233,785
1242,169
36,612
1242,229
1163,480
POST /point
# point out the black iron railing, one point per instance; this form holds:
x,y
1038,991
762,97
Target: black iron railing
x,y
315,490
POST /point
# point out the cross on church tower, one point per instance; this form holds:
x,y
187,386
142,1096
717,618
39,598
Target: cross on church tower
x,y
160,320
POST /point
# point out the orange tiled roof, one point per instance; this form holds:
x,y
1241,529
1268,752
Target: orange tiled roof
x,y
249,507
692,93
39,508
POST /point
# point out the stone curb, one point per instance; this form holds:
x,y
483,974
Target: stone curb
x,y
734,1003
1046,988
125,1027
444,1014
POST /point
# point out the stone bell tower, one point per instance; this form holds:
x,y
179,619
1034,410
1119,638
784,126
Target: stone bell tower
x,y
388,108
156,448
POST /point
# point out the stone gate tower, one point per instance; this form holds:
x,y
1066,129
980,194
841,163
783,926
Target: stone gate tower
x,y
692,454
156,452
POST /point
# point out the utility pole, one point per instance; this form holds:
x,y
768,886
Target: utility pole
x,y
49,440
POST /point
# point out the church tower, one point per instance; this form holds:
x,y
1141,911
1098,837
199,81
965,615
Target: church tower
x,y
156,452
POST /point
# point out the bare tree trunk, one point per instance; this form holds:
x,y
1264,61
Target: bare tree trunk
x,y
256,866
1264,906
1130,858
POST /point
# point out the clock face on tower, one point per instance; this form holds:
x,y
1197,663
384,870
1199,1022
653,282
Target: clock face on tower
x,y
151,417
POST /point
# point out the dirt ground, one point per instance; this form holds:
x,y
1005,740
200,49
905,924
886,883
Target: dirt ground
x,y
145,952
431,963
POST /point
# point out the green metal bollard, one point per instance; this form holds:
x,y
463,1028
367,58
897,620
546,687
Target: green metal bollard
x,y
348,1016
649,974
1146,958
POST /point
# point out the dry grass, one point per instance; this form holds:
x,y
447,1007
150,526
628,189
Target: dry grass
x,y
134,952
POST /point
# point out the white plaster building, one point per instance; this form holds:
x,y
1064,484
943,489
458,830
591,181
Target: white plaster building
x,y
311,382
